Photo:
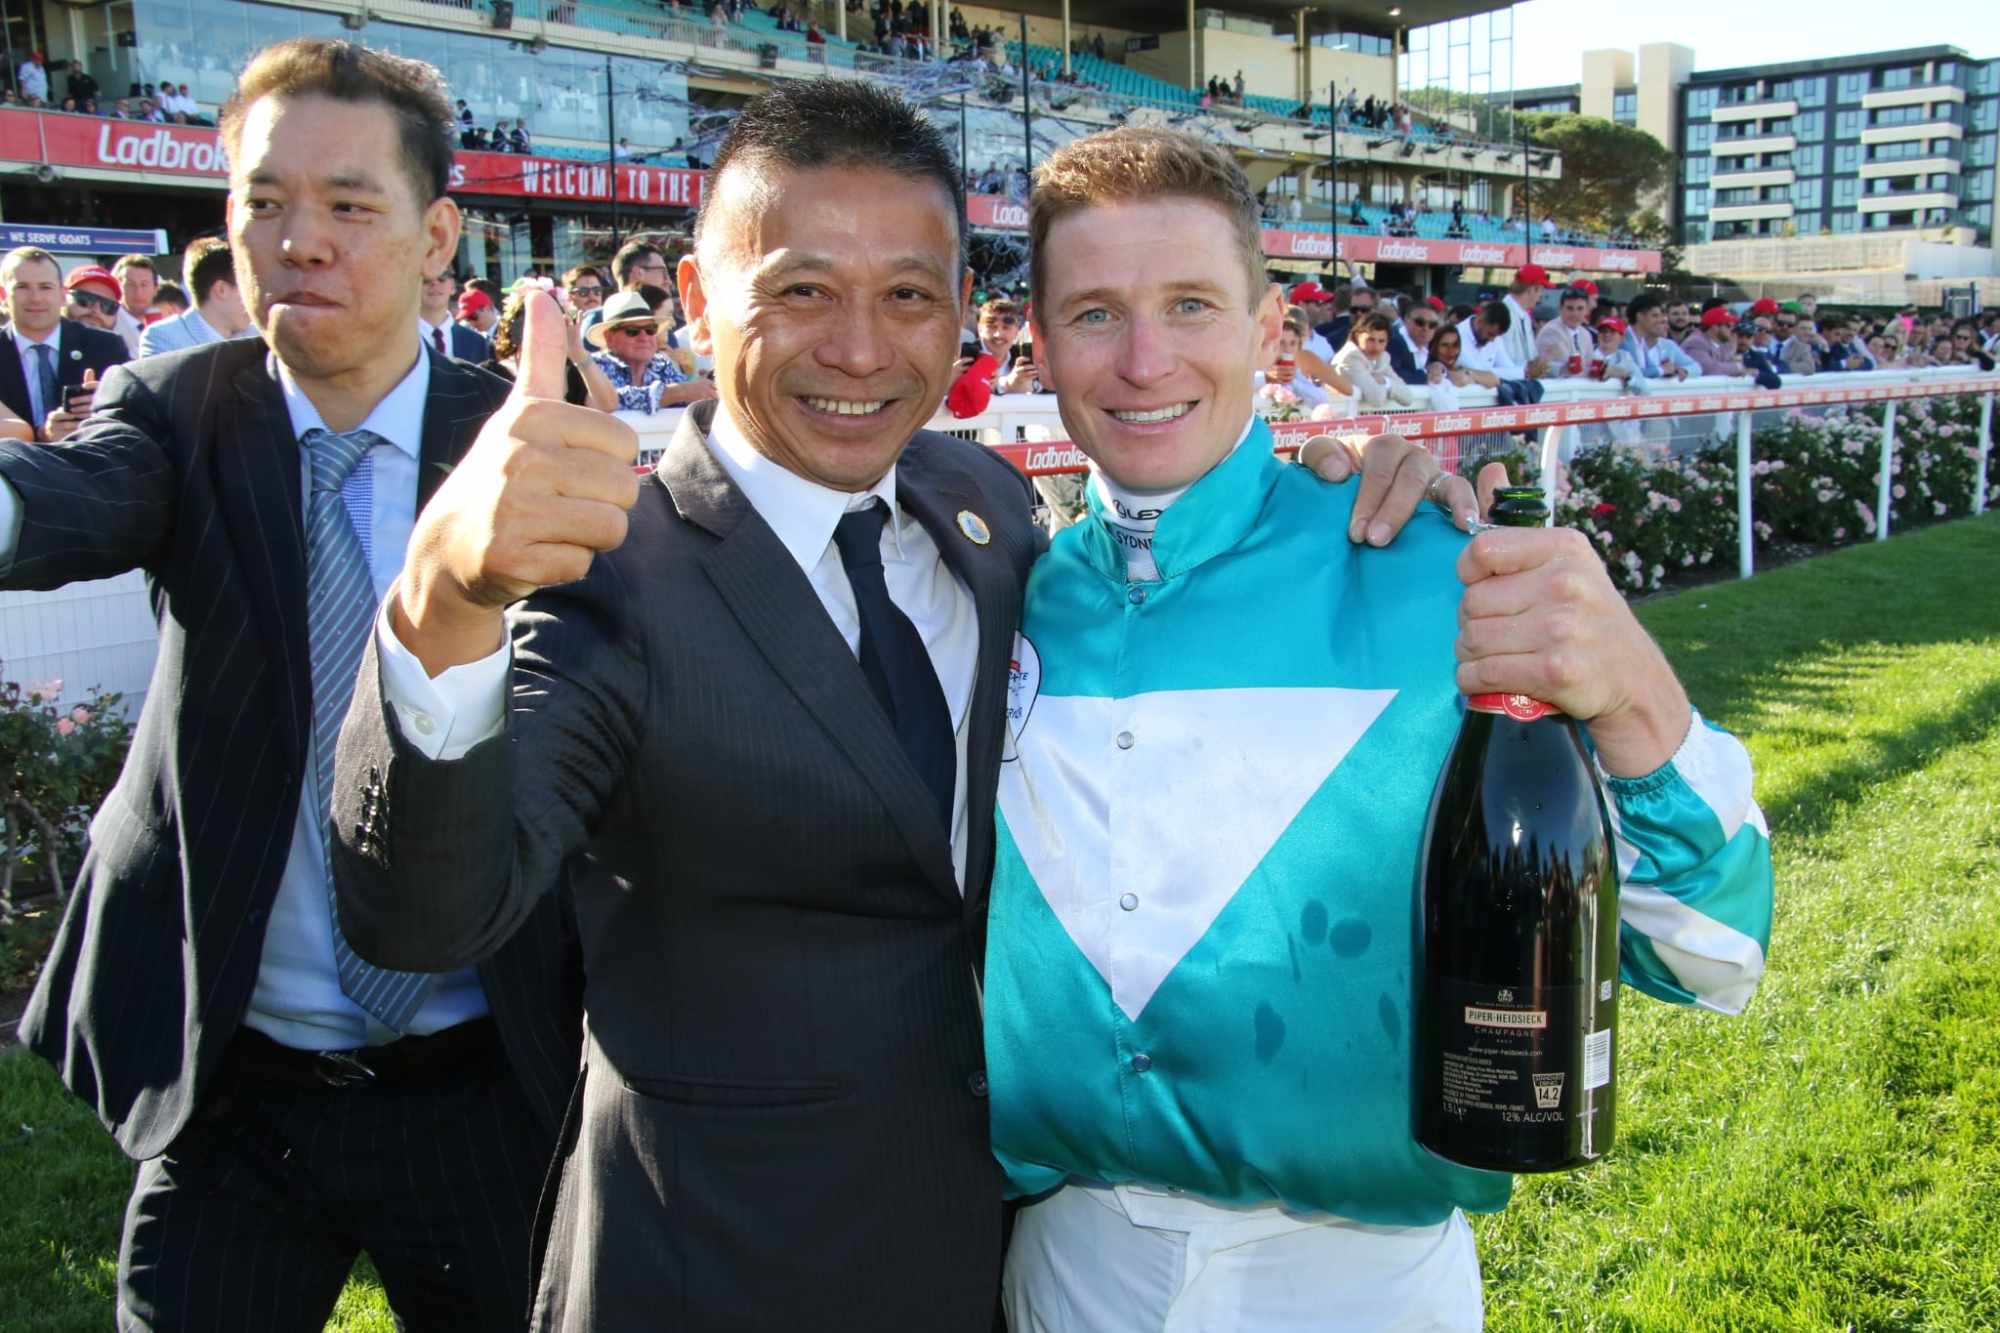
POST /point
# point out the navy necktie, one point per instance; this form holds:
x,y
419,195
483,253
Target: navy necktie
x,y
894,659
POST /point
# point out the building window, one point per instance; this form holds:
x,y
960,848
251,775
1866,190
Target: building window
x,y
1809,92
1847,124
1625,108
1735,198
1902,76
1844,222
1977,186
1810,125
1808,159
1846,189
1694,203
1852,85
1701,101
1700,137
1846,158
1696,170
1808,224
1986,115
1986,77
1806,194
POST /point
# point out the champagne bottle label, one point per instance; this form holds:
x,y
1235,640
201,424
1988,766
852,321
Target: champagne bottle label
x,y
1512,1061
1520,707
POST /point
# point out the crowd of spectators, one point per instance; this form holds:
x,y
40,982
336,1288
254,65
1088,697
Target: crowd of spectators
x,y
33,84
1369,347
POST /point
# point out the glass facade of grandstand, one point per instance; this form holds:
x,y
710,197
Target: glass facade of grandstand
x,y
1901,140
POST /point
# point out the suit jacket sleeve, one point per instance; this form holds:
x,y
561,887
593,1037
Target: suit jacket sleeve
x,y
437,863
102,501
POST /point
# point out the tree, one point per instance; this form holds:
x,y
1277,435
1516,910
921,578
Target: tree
x,y
1610,172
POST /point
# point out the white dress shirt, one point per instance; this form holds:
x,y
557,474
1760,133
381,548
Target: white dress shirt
x,y
429,333
1518,342
129,328
31,367
446,716
1421,356
298,1000
1491,357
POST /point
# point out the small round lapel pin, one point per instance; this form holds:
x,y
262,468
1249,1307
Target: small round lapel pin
x,y
974,527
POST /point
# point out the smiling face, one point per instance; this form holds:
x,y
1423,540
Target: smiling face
x,y
95,304
332,243
35,296
1151,335
831,300
140,285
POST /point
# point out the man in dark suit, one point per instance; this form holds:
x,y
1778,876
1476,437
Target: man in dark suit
x,y
51,365
289,1105
765,733
439,331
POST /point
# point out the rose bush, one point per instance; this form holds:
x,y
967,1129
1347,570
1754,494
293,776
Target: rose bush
x,y
56,764
1814,482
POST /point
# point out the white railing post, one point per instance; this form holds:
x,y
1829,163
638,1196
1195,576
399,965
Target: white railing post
x,y
1746,537
1985,446
1882,491
1552,443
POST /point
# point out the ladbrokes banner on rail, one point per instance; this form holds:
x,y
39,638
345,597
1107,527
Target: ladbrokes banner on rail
x,y
1003,214
183,150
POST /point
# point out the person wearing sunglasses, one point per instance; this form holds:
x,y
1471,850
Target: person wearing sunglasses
x,y
1410,344
94,297
52,377
631,357
584,288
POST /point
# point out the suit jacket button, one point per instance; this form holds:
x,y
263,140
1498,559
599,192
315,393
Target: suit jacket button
x,y
977,1082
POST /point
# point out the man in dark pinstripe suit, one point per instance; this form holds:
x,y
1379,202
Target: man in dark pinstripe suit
x,y
289,1105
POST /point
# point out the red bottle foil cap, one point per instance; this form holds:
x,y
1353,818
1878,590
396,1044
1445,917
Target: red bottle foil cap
x,y
1520,707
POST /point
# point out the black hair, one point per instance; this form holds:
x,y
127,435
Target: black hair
x,y
1639,305
1494,316
814,123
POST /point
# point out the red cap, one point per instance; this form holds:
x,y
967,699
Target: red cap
x,y
1584,285
1764,305
1534,275
471,301
92,273
1309,291
1435,302
1719,315
1611,325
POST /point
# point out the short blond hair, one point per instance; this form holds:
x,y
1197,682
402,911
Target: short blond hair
x,y
1130,164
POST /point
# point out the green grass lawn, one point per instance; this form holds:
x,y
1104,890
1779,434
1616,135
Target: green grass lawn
x,y
1830,1160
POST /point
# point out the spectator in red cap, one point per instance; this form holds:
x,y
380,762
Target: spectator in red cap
x,y
1713,345
1317,302
1523,295
1619,362
1436,303
475,308
1763,305
94,297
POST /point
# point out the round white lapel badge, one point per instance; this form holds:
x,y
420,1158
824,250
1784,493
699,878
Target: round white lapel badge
x,y
974,527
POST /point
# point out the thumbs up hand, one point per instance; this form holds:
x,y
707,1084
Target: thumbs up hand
x,y
544,488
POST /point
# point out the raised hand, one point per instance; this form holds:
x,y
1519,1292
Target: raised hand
x,y
63,421
544,488
1540,617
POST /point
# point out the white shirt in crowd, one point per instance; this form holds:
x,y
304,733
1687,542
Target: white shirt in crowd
x,y
1420,356
446,716
1492,357
1519,339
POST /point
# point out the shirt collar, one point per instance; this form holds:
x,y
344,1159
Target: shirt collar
x,y
430,328
802,513
24,342
398,418
1208,518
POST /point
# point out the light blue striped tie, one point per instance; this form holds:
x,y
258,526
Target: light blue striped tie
x,y
340,612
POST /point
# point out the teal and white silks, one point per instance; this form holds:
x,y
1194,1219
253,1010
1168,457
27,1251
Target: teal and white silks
x,y
1198,971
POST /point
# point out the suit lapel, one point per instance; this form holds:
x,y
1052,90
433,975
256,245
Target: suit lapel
x,y
936,493
14,381
456,407
772,600
259,484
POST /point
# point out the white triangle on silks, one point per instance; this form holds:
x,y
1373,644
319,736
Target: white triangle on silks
x,y
1210,782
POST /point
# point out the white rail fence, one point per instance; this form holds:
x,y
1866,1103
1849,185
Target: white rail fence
x,y
102,633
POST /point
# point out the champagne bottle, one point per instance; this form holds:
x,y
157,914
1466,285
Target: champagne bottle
x,y
1517,982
